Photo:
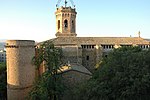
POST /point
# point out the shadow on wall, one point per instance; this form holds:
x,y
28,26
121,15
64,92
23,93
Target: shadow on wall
x,y
17,92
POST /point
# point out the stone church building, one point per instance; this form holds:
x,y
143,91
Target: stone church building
x,y
86,51
80,54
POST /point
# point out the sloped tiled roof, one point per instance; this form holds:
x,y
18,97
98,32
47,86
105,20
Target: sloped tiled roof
x,y
75,67
99,40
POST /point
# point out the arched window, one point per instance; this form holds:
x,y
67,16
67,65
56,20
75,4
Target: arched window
x,y
58,24
72,24
66,24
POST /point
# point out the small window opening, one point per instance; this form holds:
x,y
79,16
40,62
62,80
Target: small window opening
x,y
58,24
65,23
87,57
72,24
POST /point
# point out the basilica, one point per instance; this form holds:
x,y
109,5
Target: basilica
x,y
86,51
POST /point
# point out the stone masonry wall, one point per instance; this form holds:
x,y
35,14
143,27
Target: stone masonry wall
x,y
71,79
20,71
89,58
71,54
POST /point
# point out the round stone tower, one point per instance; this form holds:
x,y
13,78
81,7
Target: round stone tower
x,y
20,71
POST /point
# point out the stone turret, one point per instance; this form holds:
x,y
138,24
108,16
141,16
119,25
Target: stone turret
x,y
65,22
20,71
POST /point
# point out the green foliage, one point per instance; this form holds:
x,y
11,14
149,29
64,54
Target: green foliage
x,y
123,75
3,82
2,67
48,54
48,86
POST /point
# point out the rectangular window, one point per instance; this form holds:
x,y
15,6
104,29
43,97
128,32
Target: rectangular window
x,y
87,57
58,24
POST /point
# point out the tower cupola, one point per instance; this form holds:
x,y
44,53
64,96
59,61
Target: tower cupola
x,y
65,21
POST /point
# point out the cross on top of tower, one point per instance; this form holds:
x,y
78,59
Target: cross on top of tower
x,y
66,2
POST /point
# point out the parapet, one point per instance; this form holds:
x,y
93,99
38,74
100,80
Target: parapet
x,y
19,43
65,9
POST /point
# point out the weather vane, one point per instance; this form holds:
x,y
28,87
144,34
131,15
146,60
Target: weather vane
x,y
65,3
58,2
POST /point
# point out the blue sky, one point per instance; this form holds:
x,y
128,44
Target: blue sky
x,y
35,19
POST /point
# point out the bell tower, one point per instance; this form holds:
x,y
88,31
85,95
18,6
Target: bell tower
x,y
66,21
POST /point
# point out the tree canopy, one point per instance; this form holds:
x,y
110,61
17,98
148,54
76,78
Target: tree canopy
x,y
3,83
49,85
123,75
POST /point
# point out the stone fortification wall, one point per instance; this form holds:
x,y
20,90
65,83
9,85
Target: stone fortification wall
x,y
91,55
20,71
72,54
89,58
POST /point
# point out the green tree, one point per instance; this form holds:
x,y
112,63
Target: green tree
x,y
3,82
123,75
48,86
